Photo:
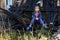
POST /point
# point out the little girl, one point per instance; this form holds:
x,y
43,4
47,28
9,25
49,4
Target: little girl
x,y
36,17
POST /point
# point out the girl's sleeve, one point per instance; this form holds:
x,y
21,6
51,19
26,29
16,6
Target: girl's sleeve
x,y
41,20
32,15
40,15
32,20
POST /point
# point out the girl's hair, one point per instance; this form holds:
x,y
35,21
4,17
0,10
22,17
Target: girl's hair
x,y
37,6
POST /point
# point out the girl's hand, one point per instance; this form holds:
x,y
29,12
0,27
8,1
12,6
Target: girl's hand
x,y
30,25
37,18
45,26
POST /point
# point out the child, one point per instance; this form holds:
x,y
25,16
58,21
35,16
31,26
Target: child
x,y
36,17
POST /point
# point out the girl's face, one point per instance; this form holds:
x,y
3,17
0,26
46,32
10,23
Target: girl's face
x,y
36,9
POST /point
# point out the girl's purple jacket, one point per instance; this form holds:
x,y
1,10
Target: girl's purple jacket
x,y
39,16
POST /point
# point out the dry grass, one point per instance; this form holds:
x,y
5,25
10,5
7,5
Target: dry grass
x,y
13,35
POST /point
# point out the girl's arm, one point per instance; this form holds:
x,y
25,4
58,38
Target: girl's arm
x,y
40,15
32,20
41,20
